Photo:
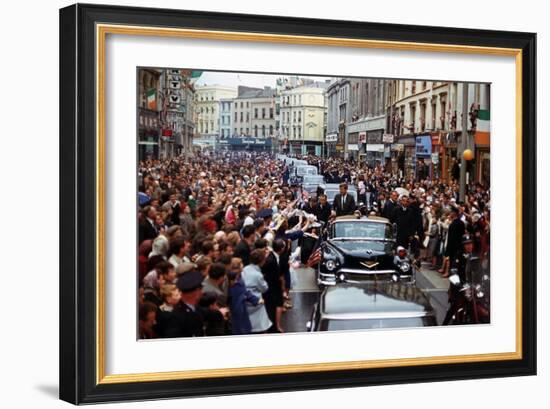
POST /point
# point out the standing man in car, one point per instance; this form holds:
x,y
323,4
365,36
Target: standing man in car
x,y
344,203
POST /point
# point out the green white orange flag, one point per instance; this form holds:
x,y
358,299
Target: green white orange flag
x,y
152,99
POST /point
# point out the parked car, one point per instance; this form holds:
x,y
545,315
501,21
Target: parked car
x,y
362,249
371,306
297,173
310,183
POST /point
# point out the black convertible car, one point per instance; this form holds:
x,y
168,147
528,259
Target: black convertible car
x,y
371,306
362,249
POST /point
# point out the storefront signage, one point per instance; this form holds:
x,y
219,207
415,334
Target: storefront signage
x,y
333,137
378,147
353,147
398,147
362,137
387,138
423,146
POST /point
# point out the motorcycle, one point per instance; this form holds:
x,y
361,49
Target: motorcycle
x,y
470,303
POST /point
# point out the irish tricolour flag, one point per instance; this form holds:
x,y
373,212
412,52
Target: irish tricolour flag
x,y
483,127
152,99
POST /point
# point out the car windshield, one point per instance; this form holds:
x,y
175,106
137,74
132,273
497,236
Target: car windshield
x,y
340,325
306,170
373,230
311,179
332,193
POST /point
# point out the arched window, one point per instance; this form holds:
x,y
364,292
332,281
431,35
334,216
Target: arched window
x,y
270,130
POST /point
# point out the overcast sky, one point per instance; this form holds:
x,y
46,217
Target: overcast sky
x,y
236,79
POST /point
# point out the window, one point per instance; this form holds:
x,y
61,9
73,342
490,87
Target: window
x,y
235,131
241,131
294,116
413,87
256,130
433,116
241,104
256,113
443,113
201,110
263,113
299,116
299,132
241,116
247,131
263,131
235,105
247,116
299,100
270,129
235,116
247,104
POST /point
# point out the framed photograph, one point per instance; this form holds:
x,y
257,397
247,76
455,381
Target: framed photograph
x,y
258,203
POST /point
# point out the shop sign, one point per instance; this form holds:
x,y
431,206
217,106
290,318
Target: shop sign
x,y
398,147
435,158
353,147
362,137
378,147
387,138
333,137
423,145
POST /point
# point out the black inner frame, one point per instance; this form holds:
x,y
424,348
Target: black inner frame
x,y
78,197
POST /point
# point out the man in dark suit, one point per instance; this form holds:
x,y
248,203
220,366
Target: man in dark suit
x,y
147,229
242,250
344,203
390,204
323,209
406,220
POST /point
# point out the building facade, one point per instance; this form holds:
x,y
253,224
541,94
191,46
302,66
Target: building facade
x,y
253,113
207,106
225,117
426,119
149,108
338,117
368,121
302,118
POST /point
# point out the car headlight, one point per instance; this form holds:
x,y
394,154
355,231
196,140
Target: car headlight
x,y
405,267
331,265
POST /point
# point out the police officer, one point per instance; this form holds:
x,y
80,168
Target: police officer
x,y
460,263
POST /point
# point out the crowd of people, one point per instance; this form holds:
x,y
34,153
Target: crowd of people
x,y
220,234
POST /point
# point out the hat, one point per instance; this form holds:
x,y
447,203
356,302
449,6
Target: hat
x,y
185,267
265,213
190,282
466,239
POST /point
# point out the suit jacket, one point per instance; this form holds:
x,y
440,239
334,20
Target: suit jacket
x,y
349,205
323,212
387,211
147,231
242,250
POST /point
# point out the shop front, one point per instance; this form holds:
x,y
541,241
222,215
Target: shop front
x,y
250,144
330,144
423,158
